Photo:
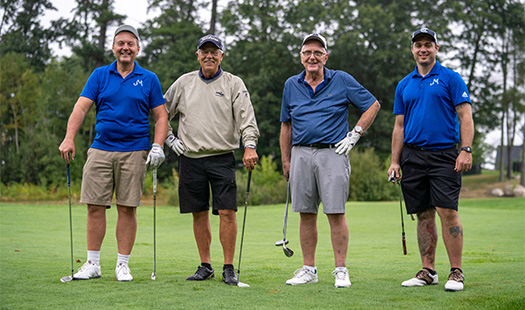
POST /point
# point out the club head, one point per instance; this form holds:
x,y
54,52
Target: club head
x,y
66,279
288,252
153,276
241,284
281,242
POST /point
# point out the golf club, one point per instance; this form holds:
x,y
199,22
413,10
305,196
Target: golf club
x,y
240,284
288,252
394,180
69,278
154,274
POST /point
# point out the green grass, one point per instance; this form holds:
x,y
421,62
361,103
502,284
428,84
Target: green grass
x,y
35,254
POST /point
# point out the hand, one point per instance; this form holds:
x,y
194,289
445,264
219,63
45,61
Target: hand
x,y
155,156
394,173
345,146
175,144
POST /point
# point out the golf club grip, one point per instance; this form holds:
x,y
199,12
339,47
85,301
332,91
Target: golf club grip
x,y
404,245
154,181
249,181
68,177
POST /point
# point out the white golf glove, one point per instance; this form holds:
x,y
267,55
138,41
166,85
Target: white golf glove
x,y
155,156
175,144
345,146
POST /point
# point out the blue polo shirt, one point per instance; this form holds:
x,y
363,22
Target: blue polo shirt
x,y
123,107
322,116
428,105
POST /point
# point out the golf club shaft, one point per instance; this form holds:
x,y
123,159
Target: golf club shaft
x,y
70,219
285,221
402,220
244,223
155,220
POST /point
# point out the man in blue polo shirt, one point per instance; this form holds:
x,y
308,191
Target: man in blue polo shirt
x,y
433,115
124,93
315,143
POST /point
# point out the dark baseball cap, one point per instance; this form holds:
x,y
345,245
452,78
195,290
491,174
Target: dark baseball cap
x,y
316,37
127,28
425,31
212,39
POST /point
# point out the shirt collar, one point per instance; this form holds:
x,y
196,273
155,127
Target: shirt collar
x,y
434,71
327,75
136,69
219,72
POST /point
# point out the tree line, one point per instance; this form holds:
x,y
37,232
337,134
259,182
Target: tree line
x,y
482,40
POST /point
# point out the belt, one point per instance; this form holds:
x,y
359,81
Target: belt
x,y
415,147
320,145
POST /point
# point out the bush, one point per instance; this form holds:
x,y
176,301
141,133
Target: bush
x,y
170,189
369,180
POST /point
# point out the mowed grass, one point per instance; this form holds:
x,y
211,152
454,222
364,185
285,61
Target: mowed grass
x,y
35,254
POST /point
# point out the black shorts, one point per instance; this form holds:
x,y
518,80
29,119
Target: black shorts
x,y
197,175
429,179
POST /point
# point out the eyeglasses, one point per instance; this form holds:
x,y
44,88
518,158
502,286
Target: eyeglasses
x,y
214,52
317,54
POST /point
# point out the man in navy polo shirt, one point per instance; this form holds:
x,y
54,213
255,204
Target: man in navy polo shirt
x,y
124,93
315,143
433,115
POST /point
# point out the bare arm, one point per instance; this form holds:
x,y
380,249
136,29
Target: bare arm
x,y
161,124
367,118
73,125
466,128
286,148
398,135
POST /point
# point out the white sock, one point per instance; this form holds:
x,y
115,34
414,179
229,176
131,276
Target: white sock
x,y
341,269
313,269
122,259
94,257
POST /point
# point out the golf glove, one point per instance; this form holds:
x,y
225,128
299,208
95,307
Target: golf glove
x,y
345,146
155,156
175,144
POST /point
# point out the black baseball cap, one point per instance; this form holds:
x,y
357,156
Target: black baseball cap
x,y
316,37
212,39
425,31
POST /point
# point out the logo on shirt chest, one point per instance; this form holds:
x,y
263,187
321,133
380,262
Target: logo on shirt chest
x,y
435,81
137,82
219,93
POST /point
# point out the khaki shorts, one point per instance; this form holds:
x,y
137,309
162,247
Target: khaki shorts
x,y
319,175
121,172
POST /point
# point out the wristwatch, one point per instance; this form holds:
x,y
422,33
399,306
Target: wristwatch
x,y
467,149
359,130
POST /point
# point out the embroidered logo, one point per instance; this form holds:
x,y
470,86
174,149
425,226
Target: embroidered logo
x,y
435,81
465,95
220,94
245,92
138,82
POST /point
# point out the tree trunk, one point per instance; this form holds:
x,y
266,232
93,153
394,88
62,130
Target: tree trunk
x,y
501,151
522,179
213,20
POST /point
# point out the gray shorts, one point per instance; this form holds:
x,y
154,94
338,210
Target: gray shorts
x,y
319,175
105,172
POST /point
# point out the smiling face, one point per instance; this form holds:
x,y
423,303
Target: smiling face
x,y
125,47
424,50
210,57
313,57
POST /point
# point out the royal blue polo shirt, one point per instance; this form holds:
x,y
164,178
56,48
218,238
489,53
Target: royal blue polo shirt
x,y
428,105
322,116
123,106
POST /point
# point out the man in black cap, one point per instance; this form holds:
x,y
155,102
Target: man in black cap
x,y
215,113
433,116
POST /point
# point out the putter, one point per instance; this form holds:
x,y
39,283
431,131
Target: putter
x,y
240,284
394,180
154,274
288,252
71,277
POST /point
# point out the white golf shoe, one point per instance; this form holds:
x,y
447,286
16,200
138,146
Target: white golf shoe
x,y
88,271
122,273
342,279
303,276
455,281
423,277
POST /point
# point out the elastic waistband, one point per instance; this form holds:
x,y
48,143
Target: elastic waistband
x,y
419,148
319,145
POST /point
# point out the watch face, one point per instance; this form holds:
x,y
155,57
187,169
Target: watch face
x,y
467,149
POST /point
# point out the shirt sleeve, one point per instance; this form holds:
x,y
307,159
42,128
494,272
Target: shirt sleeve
x,y
244,114
155,98
458,90
91,89
359,96
172,97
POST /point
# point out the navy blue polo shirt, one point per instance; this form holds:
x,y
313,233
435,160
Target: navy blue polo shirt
x,y
428,105
322,116
123,106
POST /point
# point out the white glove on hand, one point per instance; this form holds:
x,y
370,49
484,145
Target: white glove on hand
x,y
175,144
155,156
345,146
